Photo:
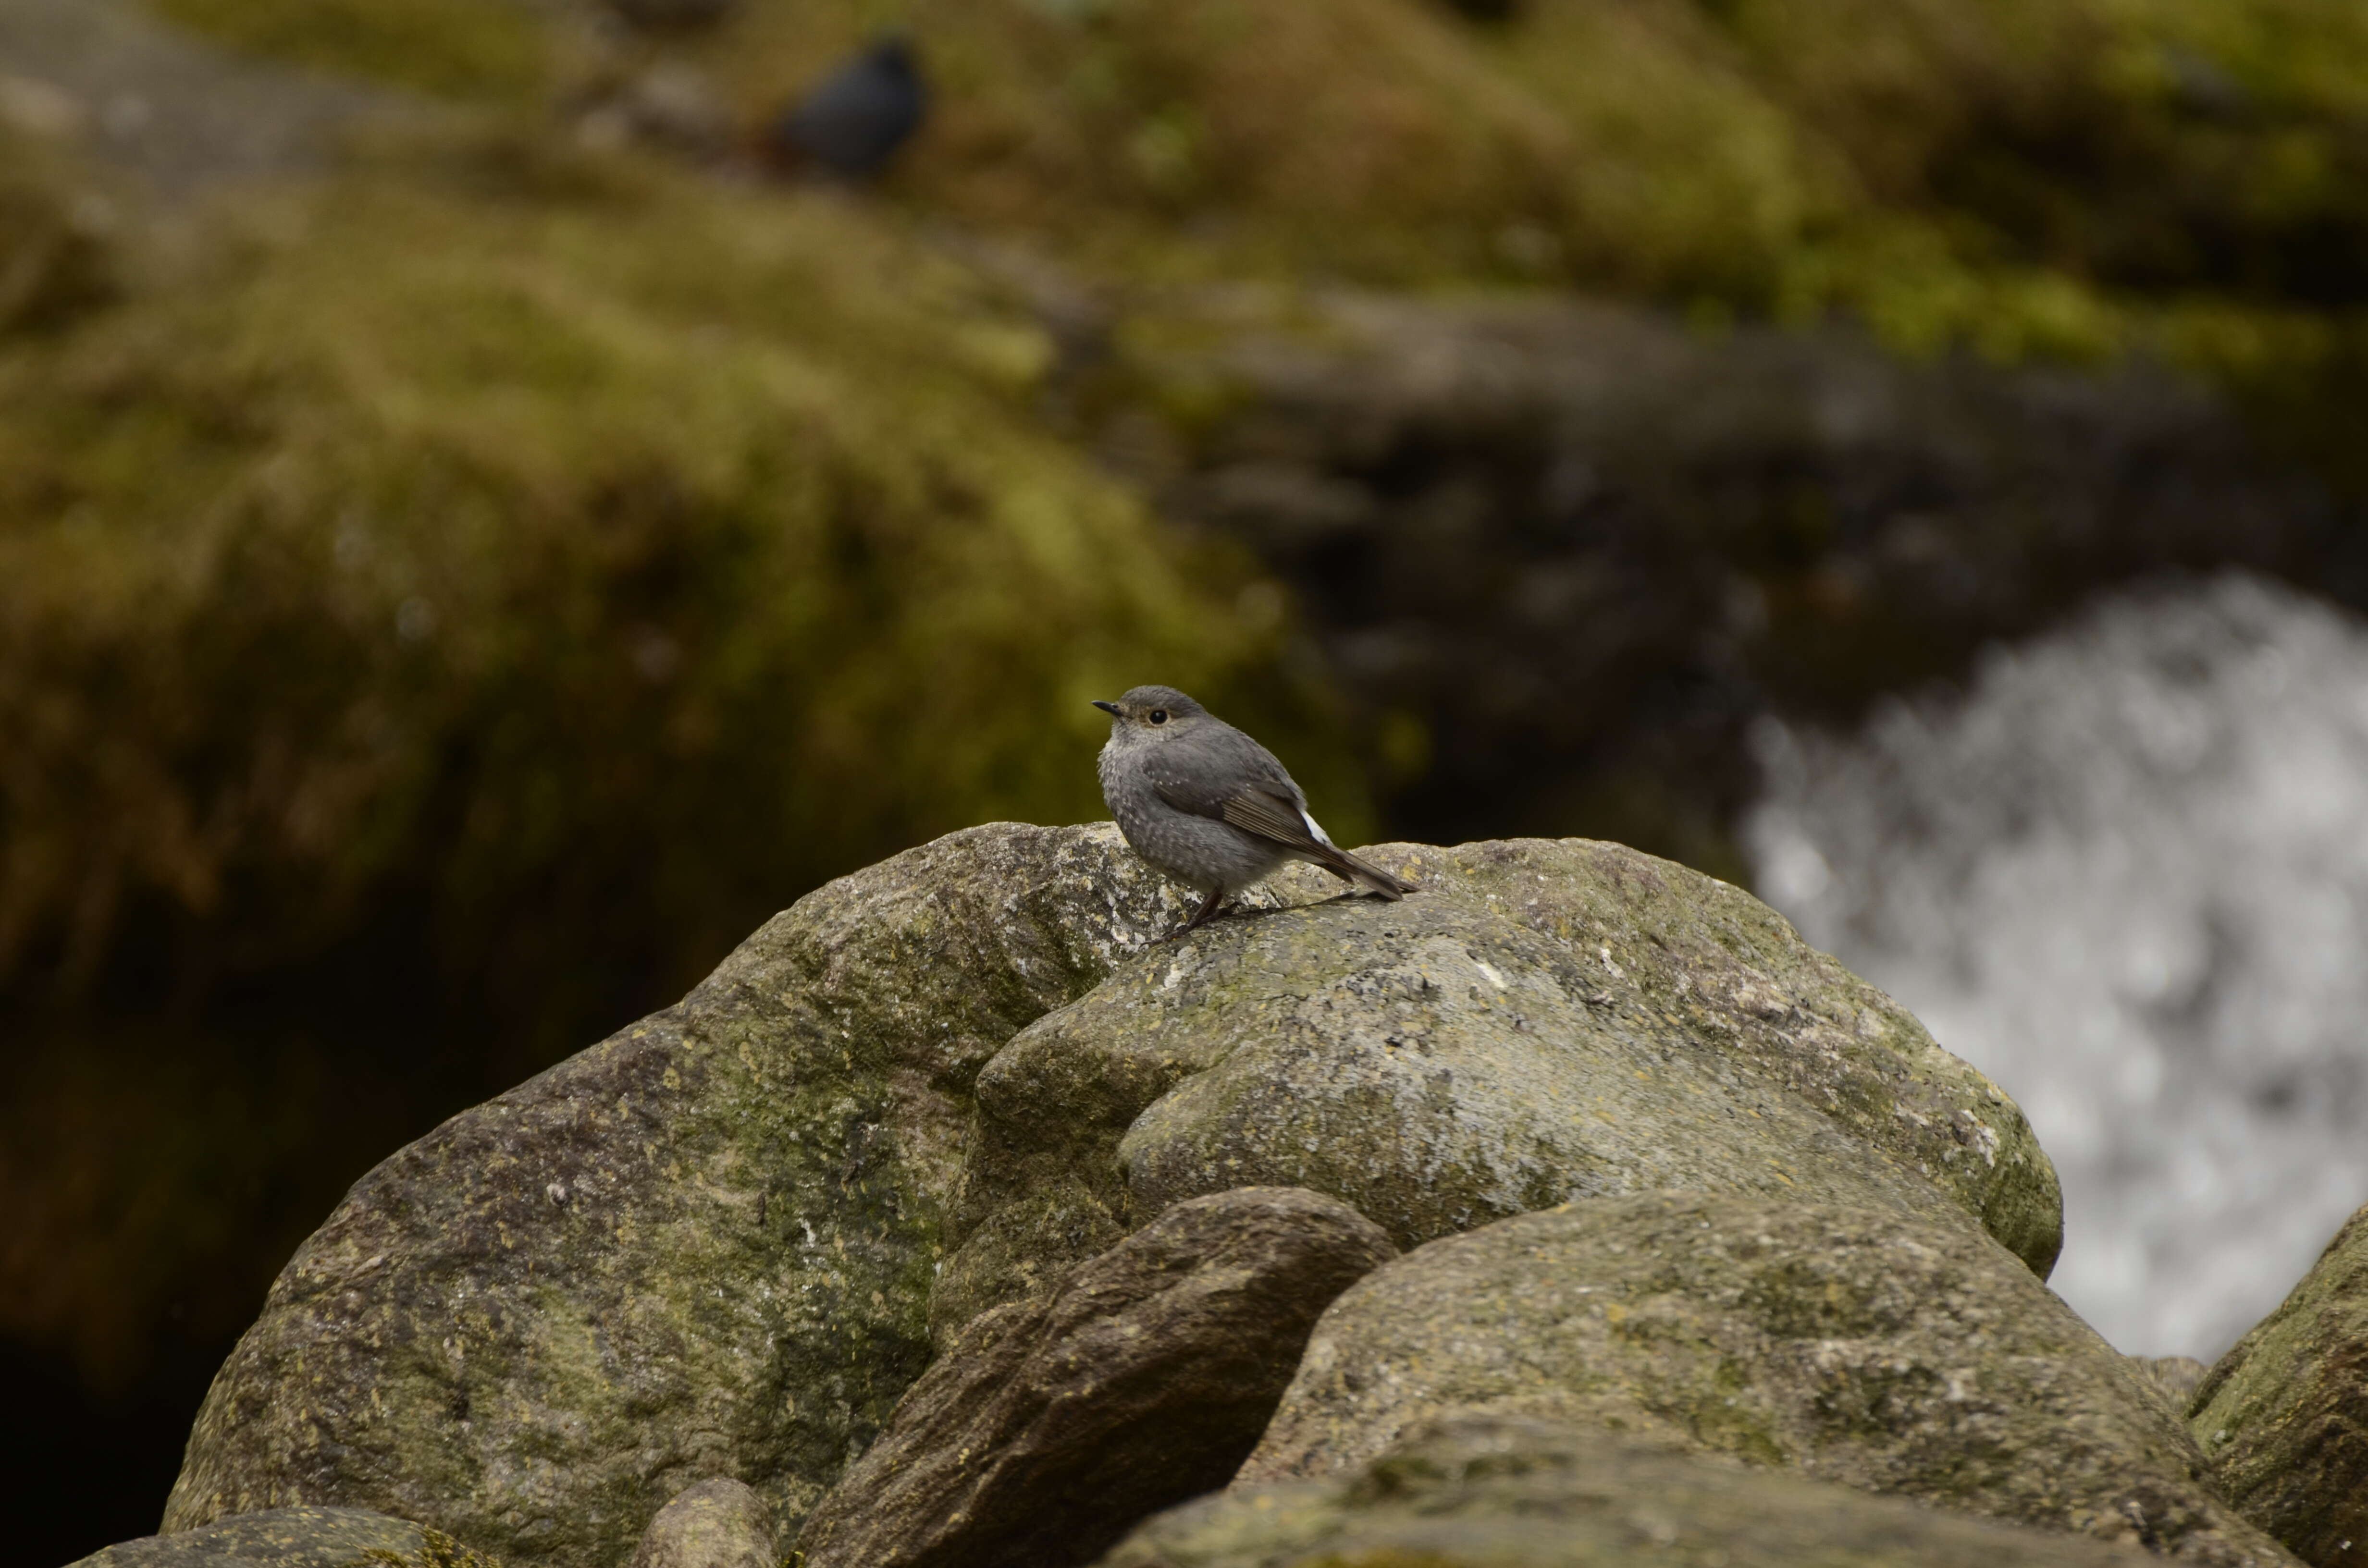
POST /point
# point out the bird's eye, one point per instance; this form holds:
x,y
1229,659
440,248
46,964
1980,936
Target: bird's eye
x,y
1159,715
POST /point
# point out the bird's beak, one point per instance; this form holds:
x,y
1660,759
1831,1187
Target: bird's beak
x,y
1109,708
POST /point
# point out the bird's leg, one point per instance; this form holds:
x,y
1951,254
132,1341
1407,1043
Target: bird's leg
x,y
1201,916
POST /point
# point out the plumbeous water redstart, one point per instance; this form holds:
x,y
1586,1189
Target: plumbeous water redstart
x,y
1211,807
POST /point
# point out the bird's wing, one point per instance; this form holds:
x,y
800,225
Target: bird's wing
x,y
1265,812
1257,793
1265,807
1263,800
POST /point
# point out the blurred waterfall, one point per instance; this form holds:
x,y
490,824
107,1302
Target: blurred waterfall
x,y
2126,874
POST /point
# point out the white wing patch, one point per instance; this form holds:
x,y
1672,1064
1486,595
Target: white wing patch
x,y
1316,829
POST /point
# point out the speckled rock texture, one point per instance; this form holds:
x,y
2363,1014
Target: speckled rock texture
x,y
2284,1414
1890,1353
716,1524
1052,1428
700,1248
1507,1493
276,1538
1544,1020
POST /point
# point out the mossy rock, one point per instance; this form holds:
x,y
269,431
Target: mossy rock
x,y
2284,1414
1543,1020
702,1248
1874,1349
276,1538
1510,1493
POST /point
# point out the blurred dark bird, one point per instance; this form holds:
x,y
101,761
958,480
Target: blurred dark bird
x,y
852,122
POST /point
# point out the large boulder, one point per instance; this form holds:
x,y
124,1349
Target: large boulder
x,y
1507,1493
1870,1348
1546,1020
1051,1429
2284,1414
700,1248
275,1538
710,1246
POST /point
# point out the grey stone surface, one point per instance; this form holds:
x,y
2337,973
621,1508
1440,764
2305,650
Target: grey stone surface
x,y
703,1247
275,1538
1869,1348
1543,1020
715,1524
2284,1415
1508,1493
1048,1429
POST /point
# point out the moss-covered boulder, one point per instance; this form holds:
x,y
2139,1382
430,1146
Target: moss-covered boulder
x,y
274,1537
1510,1493
1542,1021
2284,1414
702,1248
1874,1348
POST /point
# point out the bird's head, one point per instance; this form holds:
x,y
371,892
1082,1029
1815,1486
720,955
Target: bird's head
x,y
1153,713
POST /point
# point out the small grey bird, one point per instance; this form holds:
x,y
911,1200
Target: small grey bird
x,y
1211,807
850,124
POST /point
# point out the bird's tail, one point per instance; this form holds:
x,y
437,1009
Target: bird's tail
x,y
1363,873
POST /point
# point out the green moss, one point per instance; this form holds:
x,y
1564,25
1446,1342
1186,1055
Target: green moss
x,y
642,493
2020,179
463,48
2025,180
436,1550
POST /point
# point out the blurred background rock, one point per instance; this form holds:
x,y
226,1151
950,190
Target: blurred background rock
x,y
473,543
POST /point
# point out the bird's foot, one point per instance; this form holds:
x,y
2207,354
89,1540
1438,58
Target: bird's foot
x,y
1211,908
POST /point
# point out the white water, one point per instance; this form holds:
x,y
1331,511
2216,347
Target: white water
x,y
2126,874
